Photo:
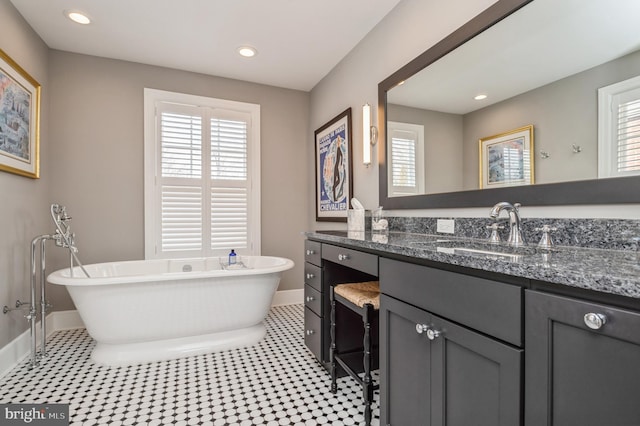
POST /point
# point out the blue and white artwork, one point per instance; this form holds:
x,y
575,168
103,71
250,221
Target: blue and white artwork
x,y
15,119
333,169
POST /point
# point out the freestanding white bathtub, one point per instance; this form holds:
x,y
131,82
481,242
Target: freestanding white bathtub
x,y
153,310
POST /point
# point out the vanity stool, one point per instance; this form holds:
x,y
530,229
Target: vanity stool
x,y
363,299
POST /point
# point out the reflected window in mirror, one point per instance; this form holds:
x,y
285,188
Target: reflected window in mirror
x,y
619,129
406,144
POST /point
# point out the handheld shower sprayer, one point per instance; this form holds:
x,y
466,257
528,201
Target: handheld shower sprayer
x,y
63,236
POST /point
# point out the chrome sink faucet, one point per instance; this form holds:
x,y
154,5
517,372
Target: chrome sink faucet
x,y
515,235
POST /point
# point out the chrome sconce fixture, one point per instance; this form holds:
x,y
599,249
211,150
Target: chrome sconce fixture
x,y
369,134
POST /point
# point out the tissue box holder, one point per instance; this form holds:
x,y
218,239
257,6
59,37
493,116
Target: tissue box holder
x,y
358,220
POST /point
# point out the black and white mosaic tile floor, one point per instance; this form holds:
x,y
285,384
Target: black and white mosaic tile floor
x,y
277,382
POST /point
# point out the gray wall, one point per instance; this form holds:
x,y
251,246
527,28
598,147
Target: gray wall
x,y
23,201
97,164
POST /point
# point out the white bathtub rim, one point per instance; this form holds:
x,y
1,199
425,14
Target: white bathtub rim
x,y
162,350
61,277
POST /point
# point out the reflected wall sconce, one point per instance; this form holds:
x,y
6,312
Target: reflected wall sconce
x,y
544,154
577,149
369,134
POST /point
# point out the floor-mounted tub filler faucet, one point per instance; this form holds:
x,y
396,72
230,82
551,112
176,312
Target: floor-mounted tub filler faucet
x,y
515,235
63,237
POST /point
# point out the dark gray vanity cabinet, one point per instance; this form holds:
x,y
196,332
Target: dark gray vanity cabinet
x,y
582,364
313,298
327,265
437,371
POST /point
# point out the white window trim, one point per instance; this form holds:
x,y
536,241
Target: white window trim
x,y
418,129
151,215
607,128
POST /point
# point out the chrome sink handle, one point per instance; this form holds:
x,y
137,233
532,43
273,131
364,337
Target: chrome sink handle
x,y
546,241
494,238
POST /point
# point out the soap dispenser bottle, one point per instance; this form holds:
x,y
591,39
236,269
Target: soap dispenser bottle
x,y
232,257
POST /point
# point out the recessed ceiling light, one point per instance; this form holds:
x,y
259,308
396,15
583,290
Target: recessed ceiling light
x,y
247,51
77,17
480,97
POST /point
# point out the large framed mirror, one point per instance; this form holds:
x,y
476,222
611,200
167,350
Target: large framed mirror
x,y
537,137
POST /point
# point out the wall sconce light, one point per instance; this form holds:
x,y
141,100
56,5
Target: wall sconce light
x,y
369,134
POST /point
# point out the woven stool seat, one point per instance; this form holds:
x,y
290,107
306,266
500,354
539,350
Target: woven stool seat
x,y
360,293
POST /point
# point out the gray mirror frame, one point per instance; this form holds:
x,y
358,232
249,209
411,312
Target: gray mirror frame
x,y
595,191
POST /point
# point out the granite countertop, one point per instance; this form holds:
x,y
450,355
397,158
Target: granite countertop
x,y
608,271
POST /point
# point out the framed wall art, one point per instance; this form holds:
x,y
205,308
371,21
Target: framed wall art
x,y
507,159
334,183
19,120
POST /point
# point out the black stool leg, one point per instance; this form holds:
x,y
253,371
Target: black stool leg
x,y
332,348
367,391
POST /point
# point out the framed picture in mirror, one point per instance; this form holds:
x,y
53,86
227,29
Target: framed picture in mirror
x,y
334,183
506,159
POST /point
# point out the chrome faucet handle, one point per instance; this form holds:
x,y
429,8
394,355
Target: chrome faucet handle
x,y
494,238
545,241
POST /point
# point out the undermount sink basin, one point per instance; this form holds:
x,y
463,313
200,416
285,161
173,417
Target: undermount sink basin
x,y
488,254
477,248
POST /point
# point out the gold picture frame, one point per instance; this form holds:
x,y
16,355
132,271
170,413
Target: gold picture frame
x,y
19,120
506,159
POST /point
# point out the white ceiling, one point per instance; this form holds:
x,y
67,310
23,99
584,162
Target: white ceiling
x,y
298,41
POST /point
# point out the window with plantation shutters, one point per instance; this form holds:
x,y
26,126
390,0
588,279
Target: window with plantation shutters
x,y
201,176
406,150
619,129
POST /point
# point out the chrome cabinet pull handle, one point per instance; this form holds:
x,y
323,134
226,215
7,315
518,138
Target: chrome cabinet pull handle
x,y
421,328
595,321
310,252
310,298
309,276
343,257
432,334
309,332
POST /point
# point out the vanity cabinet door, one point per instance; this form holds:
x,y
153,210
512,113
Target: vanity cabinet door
x,y
405,358
582,364
434,372
476,380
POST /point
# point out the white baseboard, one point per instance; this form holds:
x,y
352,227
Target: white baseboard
x,y
288,297
18,349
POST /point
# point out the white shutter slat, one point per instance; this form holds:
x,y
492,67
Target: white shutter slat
x,y
229,218
181,218
229,153
403,170
180,145
628,136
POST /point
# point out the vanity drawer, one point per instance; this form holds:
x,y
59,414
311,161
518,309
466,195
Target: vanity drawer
x,y
312,252
485,305
313,333
313,299
364,262
312,276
